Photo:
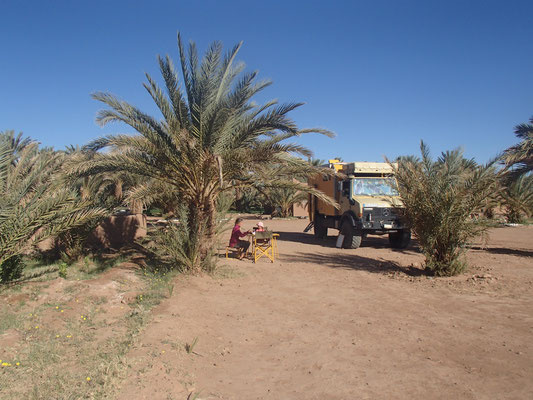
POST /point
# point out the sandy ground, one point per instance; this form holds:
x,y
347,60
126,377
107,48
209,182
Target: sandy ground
x,y
327,323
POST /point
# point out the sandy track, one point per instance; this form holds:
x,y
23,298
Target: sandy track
x,y
327,323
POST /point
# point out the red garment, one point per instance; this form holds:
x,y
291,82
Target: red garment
x,y
235,235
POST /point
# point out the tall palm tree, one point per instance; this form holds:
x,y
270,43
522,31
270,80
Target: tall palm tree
x,y
520,156
212,137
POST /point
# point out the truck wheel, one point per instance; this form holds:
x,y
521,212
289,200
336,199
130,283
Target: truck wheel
x,y
400,239
321,231
352,237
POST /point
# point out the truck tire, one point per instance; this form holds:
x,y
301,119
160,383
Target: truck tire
x,y
400,239
321,231
352,236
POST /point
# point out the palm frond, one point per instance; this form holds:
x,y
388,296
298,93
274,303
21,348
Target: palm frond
x,y
33,202
519,158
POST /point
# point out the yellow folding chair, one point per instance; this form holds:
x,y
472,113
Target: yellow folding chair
x,y
264,244
275,237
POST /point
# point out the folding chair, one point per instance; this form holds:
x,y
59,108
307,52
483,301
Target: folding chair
x,y
264,244
275,237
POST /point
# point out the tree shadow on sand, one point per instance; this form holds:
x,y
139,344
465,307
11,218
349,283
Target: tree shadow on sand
x,y
373,241
356,262
504,251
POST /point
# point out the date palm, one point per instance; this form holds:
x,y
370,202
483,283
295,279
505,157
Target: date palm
x,y
212,138
15,142
108,189
517,199
285,199
317,162
520,156
33,206
440,198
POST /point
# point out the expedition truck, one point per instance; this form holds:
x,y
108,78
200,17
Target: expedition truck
x,y
369,204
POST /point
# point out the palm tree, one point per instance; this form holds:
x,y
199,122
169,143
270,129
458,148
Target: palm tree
x,y
520,156
411,159
517,199
317,162
440,198
106,191
285,199
109,189
33,205
212,138
15,143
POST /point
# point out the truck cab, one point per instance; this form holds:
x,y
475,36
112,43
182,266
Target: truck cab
x,y
369,204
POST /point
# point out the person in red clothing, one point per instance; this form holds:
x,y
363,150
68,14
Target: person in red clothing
x,y
235,240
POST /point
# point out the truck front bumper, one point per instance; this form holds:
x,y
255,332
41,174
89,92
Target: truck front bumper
x,y
382,225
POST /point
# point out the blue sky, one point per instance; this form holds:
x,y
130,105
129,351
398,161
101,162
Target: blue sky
x,y
381,74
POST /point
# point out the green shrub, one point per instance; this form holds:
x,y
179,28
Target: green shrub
x,y
178,246
154,212
63,270
11,269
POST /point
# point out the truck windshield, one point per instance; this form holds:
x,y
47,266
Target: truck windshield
x,y
374,187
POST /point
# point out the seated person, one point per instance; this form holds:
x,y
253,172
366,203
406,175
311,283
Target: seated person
x,y
235,240
259,227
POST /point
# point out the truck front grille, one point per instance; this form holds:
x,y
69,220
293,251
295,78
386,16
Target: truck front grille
x,y
381,213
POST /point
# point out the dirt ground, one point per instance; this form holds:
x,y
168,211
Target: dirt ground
x,y
328,323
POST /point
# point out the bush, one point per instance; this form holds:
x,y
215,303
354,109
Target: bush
x,y
154,212
178,246
441,197
62,271
11,269
71,245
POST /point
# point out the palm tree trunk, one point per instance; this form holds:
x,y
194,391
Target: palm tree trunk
x,y
202,230
238,199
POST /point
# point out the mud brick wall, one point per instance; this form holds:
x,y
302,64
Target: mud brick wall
x,y
117,231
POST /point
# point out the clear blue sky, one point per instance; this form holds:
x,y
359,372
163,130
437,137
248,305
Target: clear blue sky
x,y
381,74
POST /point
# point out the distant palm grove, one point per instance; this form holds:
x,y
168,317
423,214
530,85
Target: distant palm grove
x,y
212,150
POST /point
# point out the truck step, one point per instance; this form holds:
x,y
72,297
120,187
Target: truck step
x,y
308,227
